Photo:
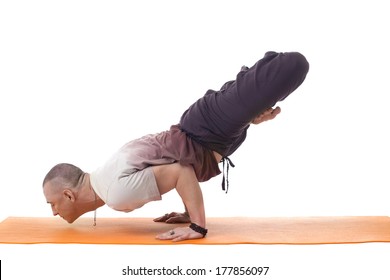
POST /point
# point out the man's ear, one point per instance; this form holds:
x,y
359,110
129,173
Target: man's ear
x,y
69,195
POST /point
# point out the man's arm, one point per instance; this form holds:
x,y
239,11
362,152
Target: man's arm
x,y
182,178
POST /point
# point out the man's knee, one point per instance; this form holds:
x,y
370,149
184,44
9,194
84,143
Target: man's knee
x,y
293,61
292,68
298,61
295,68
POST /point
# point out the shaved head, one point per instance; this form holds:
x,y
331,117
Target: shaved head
x,y
65,174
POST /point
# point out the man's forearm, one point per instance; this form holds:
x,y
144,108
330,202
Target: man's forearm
x,y
189,190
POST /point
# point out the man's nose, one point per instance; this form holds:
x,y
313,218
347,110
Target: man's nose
x,y
55,212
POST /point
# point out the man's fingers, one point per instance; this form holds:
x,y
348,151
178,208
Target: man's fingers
x,y
179,234
181,238
173,218
163,218
178,219
267,115
160,219
164,236
166,217
271,113
276,111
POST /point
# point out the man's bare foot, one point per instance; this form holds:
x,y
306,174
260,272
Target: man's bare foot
x,y
174,218
267,115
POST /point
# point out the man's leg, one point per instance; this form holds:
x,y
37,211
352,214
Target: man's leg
x,y
219,119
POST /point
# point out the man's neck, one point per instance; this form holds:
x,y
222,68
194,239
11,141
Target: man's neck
x,y
91,200
93,196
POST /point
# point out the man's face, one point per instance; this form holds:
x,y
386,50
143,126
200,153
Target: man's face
x,y
61,201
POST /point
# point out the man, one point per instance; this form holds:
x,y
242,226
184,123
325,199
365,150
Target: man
x,y
209,131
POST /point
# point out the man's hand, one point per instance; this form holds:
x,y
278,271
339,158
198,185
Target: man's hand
x,y
174,218
179,234
267,115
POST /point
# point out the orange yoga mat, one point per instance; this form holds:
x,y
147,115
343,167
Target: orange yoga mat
x,y
233,230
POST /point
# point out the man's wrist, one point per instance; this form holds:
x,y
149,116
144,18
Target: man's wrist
x,y
198,229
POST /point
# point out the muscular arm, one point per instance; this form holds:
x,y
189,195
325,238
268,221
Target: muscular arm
x,y
183,179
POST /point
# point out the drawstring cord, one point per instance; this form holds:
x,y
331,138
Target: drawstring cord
x,y
225,178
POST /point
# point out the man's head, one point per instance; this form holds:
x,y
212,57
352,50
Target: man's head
x,y
61,187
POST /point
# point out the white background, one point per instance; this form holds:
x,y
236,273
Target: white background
x,y
78,79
